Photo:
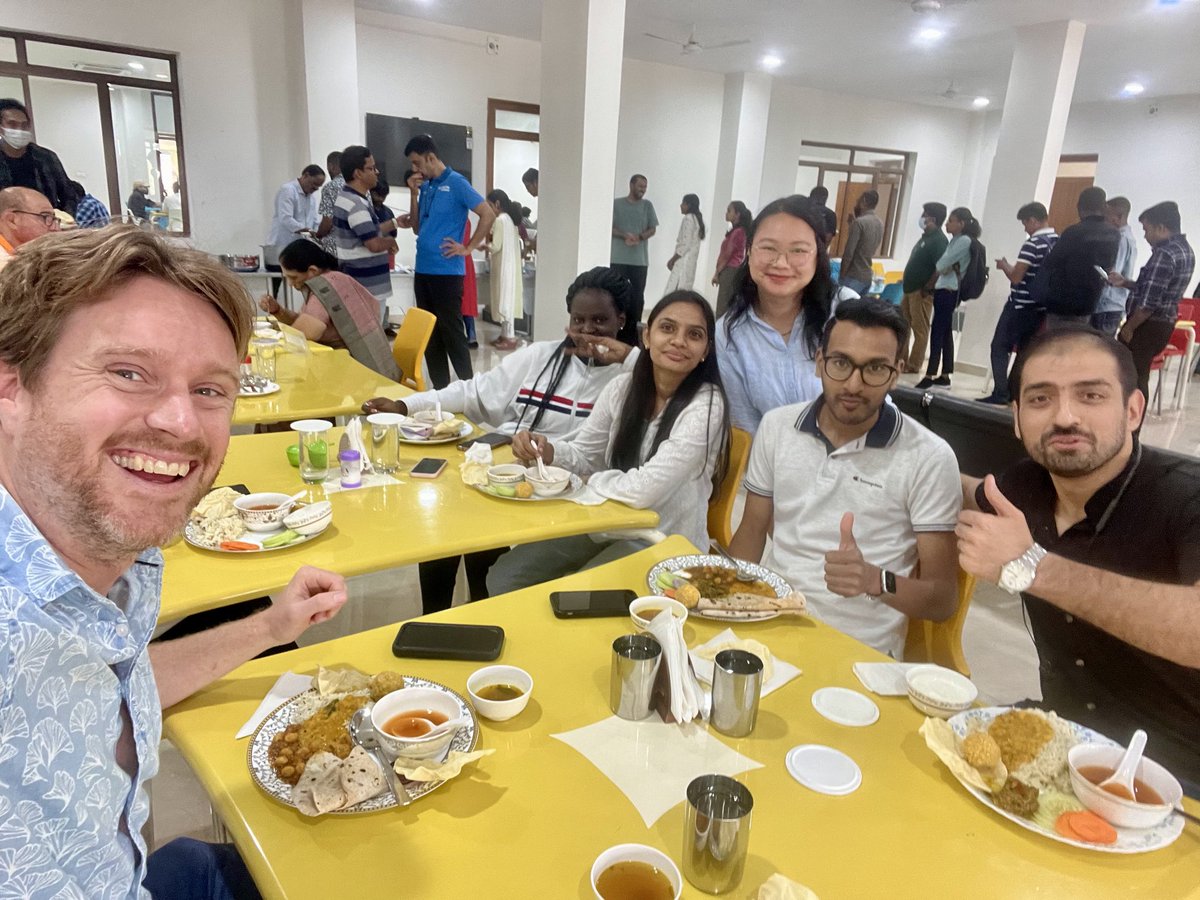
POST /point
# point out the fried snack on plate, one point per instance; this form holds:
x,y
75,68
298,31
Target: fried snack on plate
x,y
941,739
524,490
331,682
980,750
428,770
384,683
688,594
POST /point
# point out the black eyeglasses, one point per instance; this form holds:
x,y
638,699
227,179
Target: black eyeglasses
x,y
48,218
874,374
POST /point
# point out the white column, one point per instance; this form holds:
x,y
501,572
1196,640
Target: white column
x,y
1034,121
582,46
740,152
330,77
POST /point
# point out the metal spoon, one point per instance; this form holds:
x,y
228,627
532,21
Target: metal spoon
x,y
1122,777
743,574
362,732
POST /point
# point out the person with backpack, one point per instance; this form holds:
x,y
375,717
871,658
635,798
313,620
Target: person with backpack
x,y
955,278
1022,316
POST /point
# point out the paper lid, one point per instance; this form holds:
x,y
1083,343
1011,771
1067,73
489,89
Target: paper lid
x,y
823,769
845,707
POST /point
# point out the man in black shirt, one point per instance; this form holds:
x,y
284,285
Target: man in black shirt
x,y
1076,269
25,164
1101,536
819,196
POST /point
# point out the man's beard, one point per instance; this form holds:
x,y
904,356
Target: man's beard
x,y
1075,464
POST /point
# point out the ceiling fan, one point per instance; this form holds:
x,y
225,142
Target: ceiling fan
x,y
692,46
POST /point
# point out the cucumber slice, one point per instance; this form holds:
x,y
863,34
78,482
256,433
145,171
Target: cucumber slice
x,y
278,540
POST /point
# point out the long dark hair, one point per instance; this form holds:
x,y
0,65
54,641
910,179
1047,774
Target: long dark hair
x,y
817,297
744,220
506,205
971,226
302,253
619,291
638,409
691,204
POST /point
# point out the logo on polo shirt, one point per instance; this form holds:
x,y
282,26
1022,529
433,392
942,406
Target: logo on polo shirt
x,y
867,482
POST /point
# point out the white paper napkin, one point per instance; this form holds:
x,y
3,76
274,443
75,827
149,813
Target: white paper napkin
x,y
685,691
884,678
784,671
354,434
287,687
651,762
333,483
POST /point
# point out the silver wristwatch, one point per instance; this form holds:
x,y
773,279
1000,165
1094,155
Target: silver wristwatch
x,y
1018,575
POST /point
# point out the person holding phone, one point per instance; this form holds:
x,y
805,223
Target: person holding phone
x,y
549,387
657,439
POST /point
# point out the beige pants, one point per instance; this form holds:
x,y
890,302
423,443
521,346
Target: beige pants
x,y
917,308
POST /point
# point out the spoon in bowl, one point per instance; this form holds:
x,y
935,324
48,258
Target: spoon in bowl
x,y
448,725
1120,782
541,466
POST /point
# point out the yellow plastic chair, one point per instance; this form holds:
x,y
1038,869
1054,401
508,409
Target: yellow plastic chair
x,y
941,642
720,507
877,268
892,277
409,347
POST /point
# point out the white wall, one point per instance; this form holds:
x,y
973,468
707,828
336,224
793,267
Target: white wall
x,y
240,101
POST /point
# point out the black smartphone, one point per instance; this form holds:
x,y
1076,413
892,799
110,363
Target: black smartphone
x,y
429,467
492,439
591,604
436,640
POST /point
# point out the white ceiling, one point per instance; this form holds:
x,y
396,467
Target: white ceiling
x,y
870,47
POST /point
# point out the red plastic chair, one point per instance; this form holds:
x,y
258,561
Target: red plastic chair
x,y
1177,346
1189,309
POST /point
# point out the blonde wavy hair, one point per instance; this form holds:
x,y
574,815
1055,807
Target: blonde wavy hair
x,y
52,277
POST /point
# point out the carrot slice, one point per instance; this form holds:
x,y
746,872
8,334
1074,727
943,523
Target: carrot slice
x,y
1063,826
1091,828
237,545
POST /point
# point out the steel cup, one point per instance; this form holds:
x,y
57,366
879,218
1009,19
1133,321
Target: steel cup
x,y
716,833
635,662
737,683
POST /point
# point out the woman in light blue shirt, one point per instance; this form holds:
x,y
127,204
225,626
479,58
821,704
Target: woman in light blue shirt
x,y
767,341
962,228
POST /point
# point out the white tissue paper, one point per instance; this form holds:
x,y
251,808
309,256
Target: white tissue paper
x,y
685,693
288,686
354,434
474,467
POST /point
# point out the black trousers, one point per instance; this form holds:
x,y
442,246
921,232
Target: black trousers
x,y
1148,340
941,332
637,278
438,577
1013,331
442,296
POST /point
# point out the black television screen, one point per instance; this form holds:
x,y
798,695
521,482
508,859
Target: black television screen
x,y
387,135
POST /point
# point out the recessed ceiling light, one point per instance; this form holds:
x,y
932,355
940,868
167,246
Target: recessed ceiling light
x,y
931,34
136,66
771,61
1133,89
980,102
162,76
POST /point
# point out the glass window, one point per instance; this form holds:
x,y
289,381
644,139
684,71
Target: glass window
x,y
510,120
8,50
97,62
11,88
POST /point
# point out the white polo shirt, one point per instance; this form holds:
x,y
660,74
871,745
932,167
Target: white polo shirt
x,y
898,479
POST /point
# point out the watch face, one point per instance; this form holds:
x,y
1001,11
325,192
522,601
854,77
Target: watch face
x,y
1015,576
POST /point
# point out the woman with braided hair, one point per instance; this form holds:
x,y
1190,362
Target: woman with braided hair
x,y
548,387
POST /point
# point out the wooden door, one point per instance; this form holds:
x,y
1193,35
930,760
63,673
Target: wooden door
x,y
1065,199
848,193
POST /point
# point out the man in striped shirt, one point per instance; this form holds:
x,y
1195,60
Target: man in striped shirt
x,y
1022,315
362,248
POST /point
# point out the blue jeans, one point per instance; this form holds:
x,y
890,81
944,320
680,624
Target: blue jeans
x,y
1107,322
1013,331
187,869
859,287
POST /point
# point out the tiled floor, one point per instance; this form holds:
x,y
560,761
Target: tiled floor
x,y
998,647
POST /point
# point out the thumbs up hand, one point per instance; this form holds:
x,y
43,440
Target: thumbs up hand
x,y
986,541
846,572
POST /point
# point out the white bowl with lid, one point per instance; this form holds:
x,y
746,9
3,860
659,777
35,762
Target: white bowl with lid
x,y
938,691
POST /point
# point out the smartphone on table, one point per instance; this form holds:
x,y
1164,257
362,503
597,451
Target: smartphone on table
x,y
438,640
429,467
492,439
591,604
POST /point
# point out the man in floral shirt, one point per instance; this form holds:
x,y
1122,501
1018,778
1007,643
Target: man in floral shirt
x,y
111,429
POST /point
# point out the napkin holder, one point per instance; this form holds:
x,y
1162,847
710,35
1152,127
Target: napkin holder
x,y
674,674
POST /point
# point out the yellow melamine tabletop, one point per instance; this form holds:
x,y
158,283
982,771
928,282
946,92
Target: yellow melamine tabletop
x,y
316,385
531,818
373,528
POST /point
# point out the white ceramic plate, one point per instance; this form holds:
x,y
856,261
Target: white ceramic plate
x,y
304,705
466,429
271,388
191,534
575,486
1129,840
675,563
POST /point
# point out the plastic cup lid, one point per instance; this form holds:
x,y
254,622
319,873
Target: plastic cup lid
x,y
823,769
845,707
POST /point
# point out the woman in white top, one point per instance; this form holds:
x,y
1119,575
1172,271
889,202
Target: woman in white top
x,y
504,246
687,246
656,439
548,386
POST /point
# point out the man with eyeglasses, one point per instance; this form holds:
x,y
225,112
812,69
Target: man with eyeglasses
x,y
860,500
24,215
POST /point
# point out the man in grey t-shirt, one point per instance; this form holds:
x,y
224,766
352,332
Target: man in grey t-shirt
x,y
634,223
862,243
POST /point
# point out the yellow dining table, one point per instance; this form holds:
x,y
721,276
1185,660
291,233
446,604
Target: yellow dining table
x,y
373,528
530,819
316,385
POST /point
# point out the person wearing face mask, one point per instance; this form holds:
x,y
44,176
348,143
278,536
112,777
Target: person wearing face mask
x,y
25,164
917,303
